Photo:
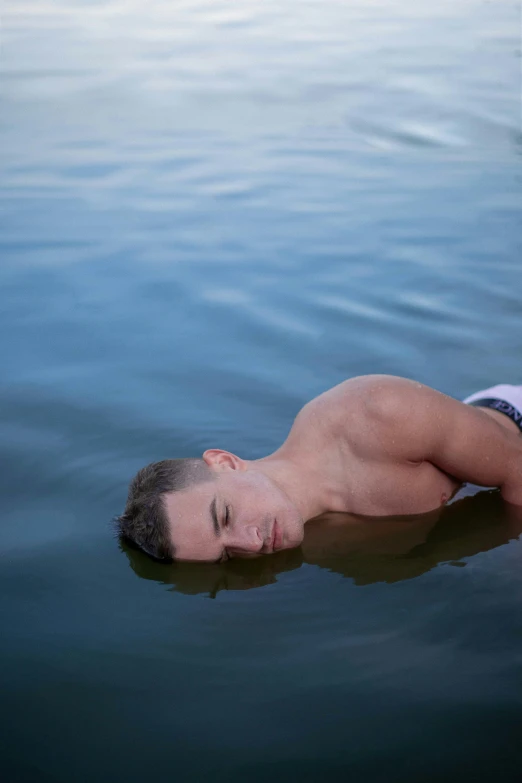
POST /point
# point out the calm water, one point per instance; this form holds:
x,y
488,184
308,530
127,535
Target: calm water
x,y
211,212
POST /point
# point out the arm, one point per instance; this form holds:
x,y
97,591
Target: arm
x,y
420,424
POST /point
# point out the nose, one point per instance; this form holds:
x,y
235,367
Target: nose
x,y
246,539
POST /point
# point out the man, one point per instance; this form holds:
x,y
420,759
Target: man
x,y
374,445
365,550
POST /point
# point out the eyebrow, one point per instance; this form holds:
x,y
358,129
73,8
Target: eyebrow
x,y
213,514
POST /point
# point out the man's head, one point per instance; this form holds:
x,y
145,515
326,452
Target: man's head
x,y
209,509
145,521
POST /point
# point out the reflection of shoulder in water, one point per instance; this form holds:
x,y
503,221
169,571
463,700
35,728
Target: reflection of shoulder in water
x,y
468,526
367,551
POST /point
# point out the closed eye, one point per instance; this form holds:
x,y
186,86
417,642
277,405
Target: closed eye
x,y
227,516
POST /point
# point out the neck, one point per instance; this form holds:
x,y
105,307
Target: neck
x,y
300,483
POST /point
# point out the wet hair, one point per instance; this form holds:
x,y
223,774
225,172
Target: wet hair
x,y
144,522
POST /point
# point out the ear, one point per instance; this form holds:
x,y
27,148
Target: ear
x,y
220,460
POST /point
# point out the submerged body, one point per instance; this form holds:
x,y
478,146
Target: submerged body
x,y
372,446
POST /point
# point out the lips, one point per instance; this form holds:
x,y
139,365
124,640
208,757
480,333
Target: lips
x,y
277,537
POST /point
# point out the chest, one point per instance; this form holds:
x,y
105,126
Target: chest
x,y
382,488
364,475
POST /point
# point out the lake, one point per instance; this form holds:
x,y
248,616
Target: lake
x,y
212,212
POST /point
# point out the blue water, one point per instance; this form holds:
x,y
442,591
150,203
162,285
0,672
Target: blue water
x,y
211,212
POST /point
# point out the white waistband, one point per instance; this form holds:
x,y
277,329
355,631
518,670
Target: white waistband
x,y
503,391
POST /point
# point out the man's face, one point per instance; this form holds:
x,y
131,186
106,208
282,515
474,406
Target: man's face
x,y
238,513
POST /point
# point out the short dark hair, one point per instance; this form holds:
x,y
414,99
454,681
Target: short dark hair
x,y
144,521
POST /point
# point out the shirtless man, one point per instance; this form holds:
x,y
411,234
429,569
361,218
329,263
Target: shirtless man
x,y
375,445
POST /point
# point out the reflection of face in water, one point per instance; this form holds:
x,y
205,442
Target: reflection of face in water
x,y
386,549
210,578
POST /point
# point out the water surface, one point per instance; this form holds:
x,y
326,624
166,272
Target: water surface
x,y
211,212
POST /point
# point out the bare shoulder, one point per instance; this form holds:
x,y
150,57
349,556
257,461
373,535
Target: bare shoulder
x,y
355,403
389,396
377,395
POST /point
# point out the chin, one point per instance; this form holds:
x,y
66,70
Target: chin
x,y
294,534
291,544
